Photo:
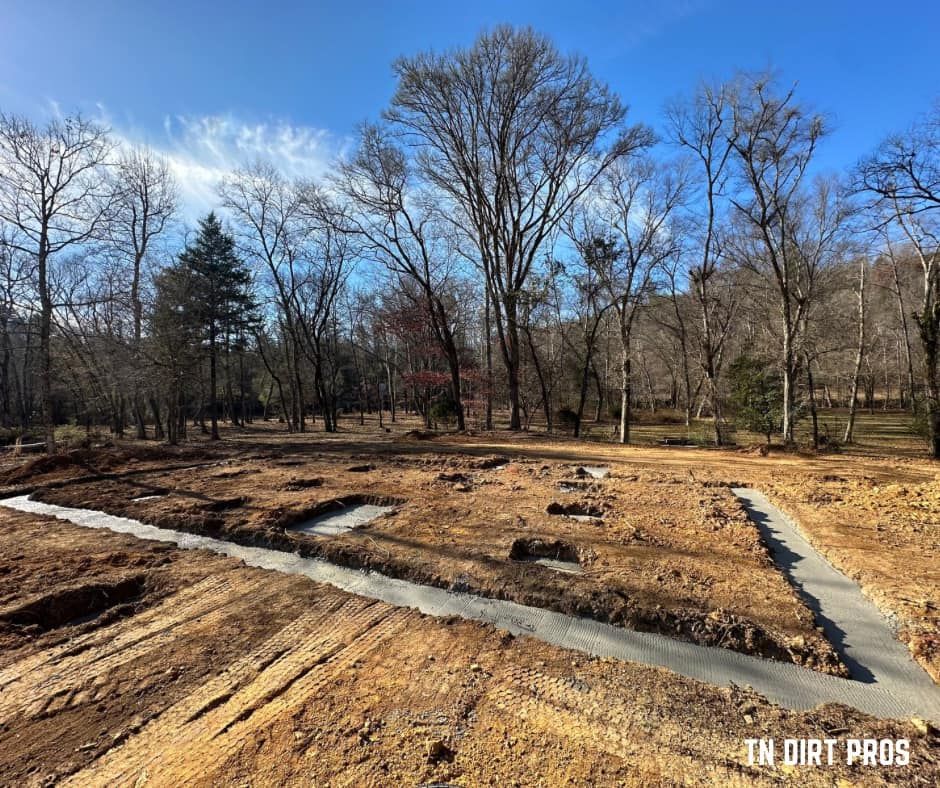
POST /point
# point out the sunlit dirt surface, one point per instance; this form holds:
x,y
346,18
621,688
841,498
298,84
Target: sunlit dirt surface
x,y
667,552
221,675
658,551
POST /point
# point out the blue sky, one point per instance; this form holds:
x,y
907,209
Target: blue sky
x,y
213,83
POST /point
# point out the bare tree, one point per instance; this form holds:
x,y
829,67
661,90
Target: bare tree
x,y
637,197
774,141
899,268
17,353
704,127
273,233
401,228
54,193
513,133
332,255
595,253
146,199
904,176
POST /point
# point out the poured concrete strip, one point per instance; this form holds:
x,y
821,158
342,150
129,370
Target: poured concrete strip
x,y
864,639
782,683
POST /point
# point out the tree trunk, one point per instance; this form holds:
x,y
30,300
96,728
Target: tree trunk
x,y
906,333
811,389
213,416
929,324
626,390
488,339
391,387
789,393
582,394
859,353
157,424
512,358
45,350
138,307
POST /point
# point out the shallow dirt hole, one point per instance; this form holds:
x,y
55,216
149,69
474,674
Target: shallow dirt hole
x,y
456,478
594,471
302,484
555,554
580,511
575,485
74,605
492,464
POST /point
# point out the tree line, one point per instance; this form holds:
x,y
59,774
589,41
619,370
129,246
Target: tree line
x,y
502,238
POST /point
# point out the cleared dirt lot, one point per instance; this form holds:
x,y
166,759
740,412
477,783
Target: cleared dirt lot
x,y
229,675
666,555
656,551
123,661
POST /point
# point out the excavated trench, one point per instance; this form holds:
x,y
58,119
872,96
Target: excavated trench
x,y
579,595
73,605
317,531
786,684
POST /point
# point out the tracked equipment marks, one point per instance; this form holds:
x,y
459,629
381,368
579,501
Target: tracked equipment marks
x,y
570,709
286,673
50,673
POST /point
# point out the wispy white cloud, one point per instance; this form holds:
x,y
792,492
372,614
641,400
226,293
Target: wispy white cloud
x,y
201,150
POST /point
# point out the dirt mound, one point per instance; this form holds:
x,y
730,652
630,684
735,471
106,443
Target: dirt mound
x,y
48,463
224,504
93,461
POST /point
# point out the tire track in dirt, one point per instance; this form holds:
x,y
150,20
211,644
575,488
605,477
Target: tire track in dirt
x,y
215,723
596,718
344,690
54,672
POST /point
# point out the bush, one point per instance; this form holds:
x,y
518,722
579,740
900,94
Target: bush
x,y
756,396
566,419
444,411
74,436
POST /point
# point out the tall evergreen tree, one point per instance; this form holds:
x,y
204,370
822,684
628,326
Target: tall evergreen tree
x,y
221,300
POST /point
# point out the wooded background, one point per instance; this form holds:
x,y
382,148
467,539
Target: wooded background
x,y
502,240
